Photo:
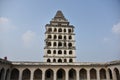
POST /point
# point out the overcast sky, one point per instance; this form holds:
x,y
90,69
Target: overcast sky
x,y
97,28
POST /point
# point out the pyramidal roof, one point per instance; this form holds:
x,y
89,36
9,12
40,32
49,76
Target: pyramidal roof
x,y
59,15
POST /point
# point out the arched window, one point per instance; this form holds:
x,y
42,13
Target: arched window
x,y
49,74
54,44
54,52
54,60
70,52
59,52
93,74
70,44
102,74
49,51
55,36
49,43
83,74
110,73
59,30
49,36
65,60
59,44
64,30
55,30
14,74
26,74
61,74
69,30
48,60
49,29
37,74
64,37
59,60
70,37
70,60
59,37
65,44
117,74
72,74
65,52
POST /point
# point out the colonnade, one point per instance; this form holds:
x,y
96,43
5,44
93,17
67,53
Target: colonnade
x,y
60,74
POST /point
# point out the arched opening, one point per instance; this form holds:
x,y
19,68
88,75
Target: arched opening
x,y
26,74
14,74
54,44
60,74
54,52
64,37
2,73
93,74
49,36
72,74
64,30
70,37
65,60
49,51
54,60
59,37
55,37
7,74
83,74
110,73
70,52
48,60
117,74
49,74
59,60
59,30
64,44
65,52
37,74
70,44
59,52
59,44
70,60
49,29
69,30
102,74
55,30
49,43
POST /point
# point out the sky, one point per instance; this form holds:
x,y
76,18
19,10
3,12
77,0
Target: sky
x,y
97,28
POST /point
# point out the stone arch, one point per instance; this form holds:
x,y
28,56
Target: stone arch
x,y
55,36
59,44
72,74
37,74
14,74
2,73
59,60
102,74
49,51
70,52
49,43
61,74
93,74
83,74
110,73
49,74
49,36
70,44
70,37
69,30
55,30
54,44
48,60
54,60
7,74
49,29
26,74
60,30
60,52
60,37
70,60
54,52
117,73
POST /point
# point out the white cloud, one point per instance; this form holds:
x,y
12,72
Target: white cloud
x,y
6,25
116,28
28,38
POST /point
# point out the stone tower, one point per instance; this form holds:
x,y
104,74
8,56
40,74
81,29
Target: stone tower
x,y
59,40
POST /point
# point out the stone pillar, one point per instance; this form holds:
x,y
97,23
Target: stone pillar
x,y
20,74
77,74
43,75
55,75
98,74
32,73
88,74
107,75
114,75
66,72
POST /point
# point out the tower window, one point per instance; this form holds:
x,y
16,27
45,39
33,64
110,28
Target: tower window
x,y
70,37
54,44
49,29
59,60
54,52
49,36
65,60
70,60
70,44
59,37
59,44
48,60
59,52
65,37
54,60
55,30
65,44
59,30
70,52
55,36
49,51
69,30
64,51
49,43
64,30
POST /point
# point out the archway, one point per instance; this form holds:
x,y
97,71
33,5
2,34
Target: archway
x,y
37,74
26,74
2,73
110,74
83,74
93,74
49,74
102,74
72,74
7,74
61,74
117,74
14,74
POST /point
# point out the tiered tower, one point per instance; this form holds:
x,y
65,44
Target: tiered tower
x,y
59,40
